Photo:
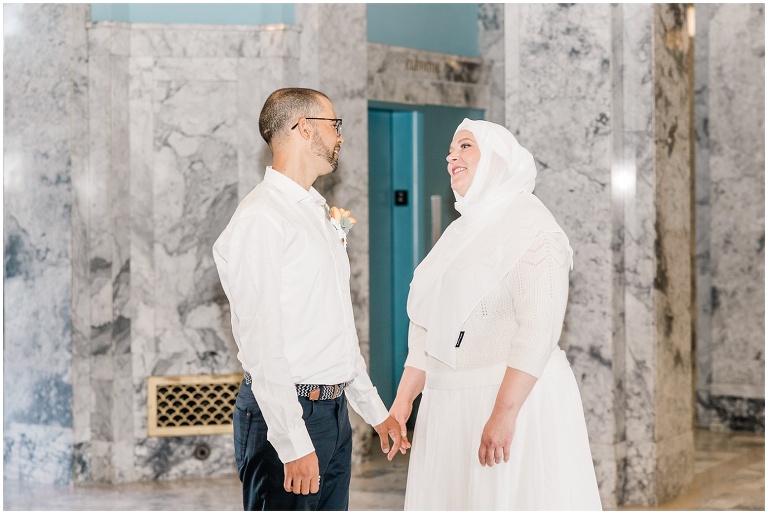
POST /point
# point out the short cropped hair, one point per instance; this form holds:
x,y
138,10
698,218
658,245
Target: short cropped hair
x,y
284,107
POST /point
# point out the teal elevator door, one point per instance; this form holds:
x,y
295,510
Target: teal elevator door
x,y
395,241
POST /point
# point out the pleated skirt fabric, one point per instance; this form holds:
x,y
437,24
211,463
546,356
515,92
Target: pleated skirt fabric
x,y
550,467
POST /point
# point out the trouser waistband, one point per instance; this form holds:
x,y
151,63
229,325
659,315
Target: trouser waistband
x,y
313,391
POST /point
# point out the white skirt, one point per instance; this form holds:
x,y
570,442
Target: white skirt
x,y
550,467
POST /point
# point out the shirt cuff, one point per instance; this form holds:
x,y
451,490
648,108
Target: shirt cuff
x,y
372,409
292,445
379,412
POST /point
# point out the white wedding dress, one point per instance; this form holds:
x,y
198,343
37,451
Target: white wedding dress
x,y
517,324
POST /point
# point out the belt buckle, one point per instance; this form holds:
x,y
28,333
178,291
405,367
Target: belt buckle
x,y
336,391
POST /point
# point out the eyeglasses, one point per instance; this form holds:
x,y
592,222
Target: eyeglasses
x,y
336,123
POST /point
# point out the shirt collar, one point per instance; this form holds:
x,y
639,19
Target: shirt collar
x,y
292,189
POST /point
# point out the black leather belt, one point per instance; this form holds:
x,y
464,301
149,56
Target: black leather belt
x,y
313,391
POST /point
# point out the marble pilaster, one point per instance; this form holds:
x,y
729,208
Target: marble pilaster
x,y
174,147
598,93
730,161
44,149
338,66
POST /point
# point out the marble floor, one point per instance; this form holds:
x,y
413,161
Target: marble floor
x,y
730,475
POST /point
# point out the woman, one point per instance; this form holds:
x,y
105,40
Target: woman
x,y
500,424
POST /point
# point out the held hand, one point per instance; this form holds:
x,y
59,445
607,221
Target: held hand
x,y
302,476
496,441
401,411
391,428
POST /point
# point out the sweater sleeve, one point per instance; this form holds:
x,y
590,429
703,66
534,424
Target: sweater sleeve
x,y
539,284
417,342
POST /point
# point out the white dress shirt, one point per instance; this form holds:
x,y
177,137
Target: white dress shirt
x,y
285,272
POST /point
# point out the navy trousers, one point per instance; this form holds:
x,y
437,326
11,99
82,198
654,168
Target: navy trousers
x,y
262,472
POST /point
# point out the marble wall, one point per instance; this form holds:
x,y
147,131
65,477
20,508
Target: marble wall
x,y
730,218
168,146
44,148
598,94
128,146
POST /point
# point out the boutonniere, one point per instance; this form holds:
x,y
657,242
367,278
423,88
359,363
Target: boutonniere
x,y
341,220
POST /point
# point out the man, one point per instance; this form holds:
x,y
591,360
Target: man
x,y
285,272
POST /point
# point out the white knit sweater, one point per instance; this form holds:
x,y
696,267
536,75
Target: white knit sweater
x,y
519,322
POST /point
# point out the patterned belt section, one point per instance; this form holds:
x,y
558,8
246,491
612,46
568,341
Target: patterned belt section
x,y
313,391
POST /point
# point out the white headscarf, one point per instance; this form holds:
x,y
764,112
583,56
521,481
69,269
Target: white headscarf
x,y
500,217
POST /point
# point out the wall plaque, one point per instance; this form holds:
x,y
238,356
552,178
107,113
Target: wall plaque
x,y
407,75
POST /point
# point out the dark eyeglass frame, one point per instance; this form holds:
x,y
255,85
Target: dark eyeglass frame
x,y
336,123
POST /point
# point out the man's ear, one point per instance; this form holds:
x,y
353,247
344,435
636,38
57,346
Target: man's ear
x,y
304,129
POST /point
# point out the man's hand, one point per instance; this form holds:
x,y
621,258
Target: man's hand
x,y
302,476
391,428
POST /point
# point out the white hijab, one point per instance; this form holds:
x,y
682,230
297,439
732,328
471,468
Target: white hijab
x,y
499,219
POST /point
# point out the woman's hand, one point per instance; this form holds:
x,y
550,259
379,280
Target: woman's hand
x,y
411,384
496,441
401,411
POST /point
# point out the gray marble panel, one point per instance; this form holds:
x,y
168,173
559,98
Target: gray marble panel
x,y
142,229
195,140
730,223
210,41
37,453
736,105
703,266
166,458
490,21
101,420
634,188
100,464
44,89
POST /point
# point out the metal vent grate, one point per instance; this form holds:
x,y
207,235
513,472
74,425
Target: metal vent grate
x,y
191,405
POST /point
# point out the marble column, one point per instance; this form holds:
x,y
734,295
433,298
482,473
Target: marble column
x,y
44,150
334,60
658,298
598,93
730,217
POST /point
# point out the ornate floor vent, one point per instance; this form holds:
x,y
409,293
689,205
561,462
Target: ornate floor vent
x,y
191,405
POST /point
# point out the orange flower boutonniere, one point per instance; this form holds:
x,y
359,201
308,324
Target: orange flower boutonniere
x,y
342,221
